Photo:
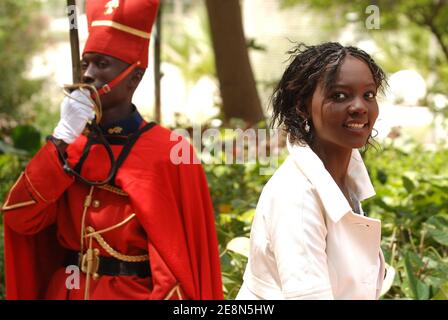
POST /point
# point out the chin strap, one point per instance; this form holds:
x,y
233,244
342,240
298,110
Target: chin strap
x,y
108,86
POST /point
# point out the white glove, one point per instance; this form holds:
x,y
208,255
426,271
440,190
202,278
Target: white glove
x,y
76,111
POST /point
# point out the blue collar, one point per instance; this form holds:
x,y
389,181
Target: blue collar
x,y
123,127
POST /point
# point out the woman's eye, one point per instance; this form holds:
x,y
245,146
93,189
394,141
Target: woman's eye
x,y
370,95
339,96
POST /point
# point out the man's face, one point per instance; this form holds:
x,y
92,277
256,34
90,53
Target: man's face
x,y
98,70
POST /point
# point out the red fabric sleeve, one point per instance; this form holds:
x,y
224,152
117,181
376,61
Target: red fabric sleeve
x,y
32,253
30,204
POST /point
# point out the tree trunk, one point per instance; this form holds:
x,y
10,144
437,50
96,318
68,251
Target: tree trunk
x,y
237,84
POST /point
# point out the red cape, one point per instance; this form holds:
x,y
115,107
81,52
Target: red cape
x,y
171,202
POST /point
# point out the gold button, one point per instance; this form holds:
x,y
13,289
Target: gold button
x,y
96,203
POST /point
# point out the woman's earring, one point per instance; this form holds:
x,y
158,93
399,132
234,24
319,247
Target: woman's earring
x,y
307,126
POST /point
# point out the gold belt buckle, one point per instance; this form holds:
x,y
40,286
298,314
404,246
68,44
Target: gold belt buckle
x,y
90,262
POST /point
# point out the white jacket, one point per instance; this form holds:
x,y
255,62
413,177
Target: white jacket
x,y
306,242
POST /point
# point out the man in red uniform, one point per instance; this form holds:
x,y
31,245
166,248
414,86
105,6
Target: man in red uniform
x,y
149,232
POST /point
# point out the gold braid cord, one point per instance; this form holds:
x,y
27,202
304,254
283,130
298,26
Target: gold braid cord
x,y
91,258
175,289
109,249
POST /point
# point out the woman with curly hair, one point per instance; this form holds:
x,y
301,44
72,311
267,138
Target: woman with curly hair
x,y
310,238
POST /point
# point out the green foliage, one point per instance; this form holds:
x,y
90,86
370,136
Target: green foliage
x,y
412,202
20,29
190,49
412,34
20,36
235,190
421,12
27,138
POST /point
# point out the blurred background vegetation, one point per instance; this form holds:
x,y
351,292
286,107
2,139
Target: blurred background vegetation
x,y
408,168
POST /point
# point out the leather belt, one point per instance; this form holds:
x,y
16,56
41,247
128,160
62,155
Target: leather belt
x,y
110,266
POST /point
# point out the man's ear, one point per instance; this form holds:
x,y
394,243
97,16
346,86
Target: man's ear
x,y
137,76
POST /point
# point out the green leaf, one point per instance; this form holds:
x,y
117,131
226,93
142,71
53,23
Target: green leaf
x,y
437,227
6,148
442,294
382,176
26,137
422,290
410,275
408,184
247,216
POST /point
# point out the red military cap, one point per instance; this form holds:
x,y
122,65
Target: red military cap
x,y
121,28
